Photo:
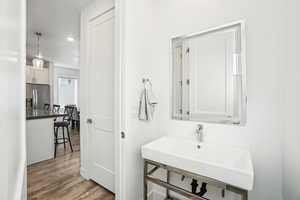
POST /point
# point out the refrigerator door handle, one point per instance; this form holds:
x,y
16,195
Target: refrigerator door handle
x,y
36,97
33,98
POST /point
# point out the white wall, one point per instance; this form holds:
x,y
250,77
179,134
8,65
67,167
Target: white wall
x,y
149,27
291,162
63,72
12,105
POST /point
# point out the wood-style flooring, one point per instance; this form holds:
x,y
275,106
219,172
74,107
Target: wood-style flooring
x,y
59,179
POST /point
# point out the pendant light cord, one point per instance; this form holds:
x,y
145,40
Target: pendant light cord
x,y
38,34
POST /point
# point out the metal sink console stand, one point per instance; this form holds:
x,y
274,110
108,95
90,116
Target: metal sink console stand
x,y
183,192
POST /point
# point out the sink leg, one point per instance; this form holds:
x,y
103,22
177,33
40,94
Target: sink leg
x,y
245,195
145,181
168,181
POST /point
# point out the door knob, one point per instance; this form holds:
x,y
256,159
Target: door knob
x,y
89,121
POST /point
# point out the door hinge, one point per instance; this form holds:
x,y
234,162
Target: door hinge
x,y
187,81
188,50
180,83
123,135
188,112
180,111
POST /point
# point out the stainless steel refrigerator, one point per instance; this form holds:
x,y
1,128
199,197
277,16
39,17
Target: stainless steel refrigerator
x,y
39,94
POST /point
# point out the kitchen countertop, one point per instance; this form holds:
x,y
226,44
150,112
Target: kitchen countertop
x,y
42,114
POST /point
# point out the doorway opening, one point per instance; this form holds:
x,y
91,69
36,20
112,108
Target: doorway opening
x,y
73,150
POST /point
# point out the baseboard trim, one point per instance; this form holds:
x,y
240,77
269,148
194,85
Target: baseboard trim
x,y
21,184
84,173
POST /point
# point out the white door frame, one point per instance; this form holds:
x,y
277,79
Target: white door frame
x,y
120,100
95,8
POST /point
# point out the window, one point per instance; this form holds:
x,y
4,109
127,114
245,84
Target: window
x,y
67,91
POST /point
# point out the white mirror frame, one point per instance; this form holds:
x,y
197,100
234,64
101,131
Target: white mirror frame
x,y
243,106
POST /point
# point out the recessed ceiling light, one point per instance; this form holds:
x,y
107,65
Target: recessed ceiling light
x,y
70,39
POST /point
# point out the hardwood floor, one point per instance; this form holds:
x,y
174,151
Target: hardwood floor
x,y
59,179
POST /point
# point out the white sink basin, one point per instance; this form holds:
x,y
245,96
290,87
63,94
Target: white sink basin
x,y
227,164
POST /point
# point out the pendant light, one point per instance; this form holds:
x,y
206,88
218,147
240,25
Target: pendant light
x,y
38,62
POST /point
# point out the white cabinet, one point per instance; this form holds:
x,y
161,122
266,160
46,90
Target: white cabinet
x,y
37,76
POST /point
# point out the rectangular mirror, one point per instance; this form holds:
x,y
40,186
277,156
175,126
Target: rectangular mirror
x,y
209,76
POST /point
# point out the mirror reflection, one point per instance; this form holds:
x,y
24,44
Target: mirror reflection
x,y
209,76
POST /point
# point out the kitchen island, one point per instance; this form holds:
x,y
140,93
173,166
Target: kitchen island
x,y
40,135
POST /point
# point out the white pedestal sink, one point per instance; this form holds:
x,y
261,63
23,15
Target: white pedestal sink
x,y
230,165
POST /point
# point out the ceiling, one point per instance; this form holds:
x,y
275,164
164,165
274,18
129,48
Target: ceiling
x,y
56,20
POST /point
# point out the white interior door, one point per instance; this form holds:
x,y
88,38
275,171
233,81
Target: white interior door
x,y
101,99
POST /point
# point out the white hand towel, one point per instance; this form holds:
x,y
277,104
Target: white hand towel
x,y
147,105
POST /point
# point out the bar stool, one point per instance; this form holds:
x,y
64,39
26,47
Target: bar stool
x,y
76,119
56,109
65,123
47,107
28,103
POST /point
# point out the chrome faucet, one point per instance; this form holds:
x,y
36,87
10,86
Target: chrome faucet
x,y
199,132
